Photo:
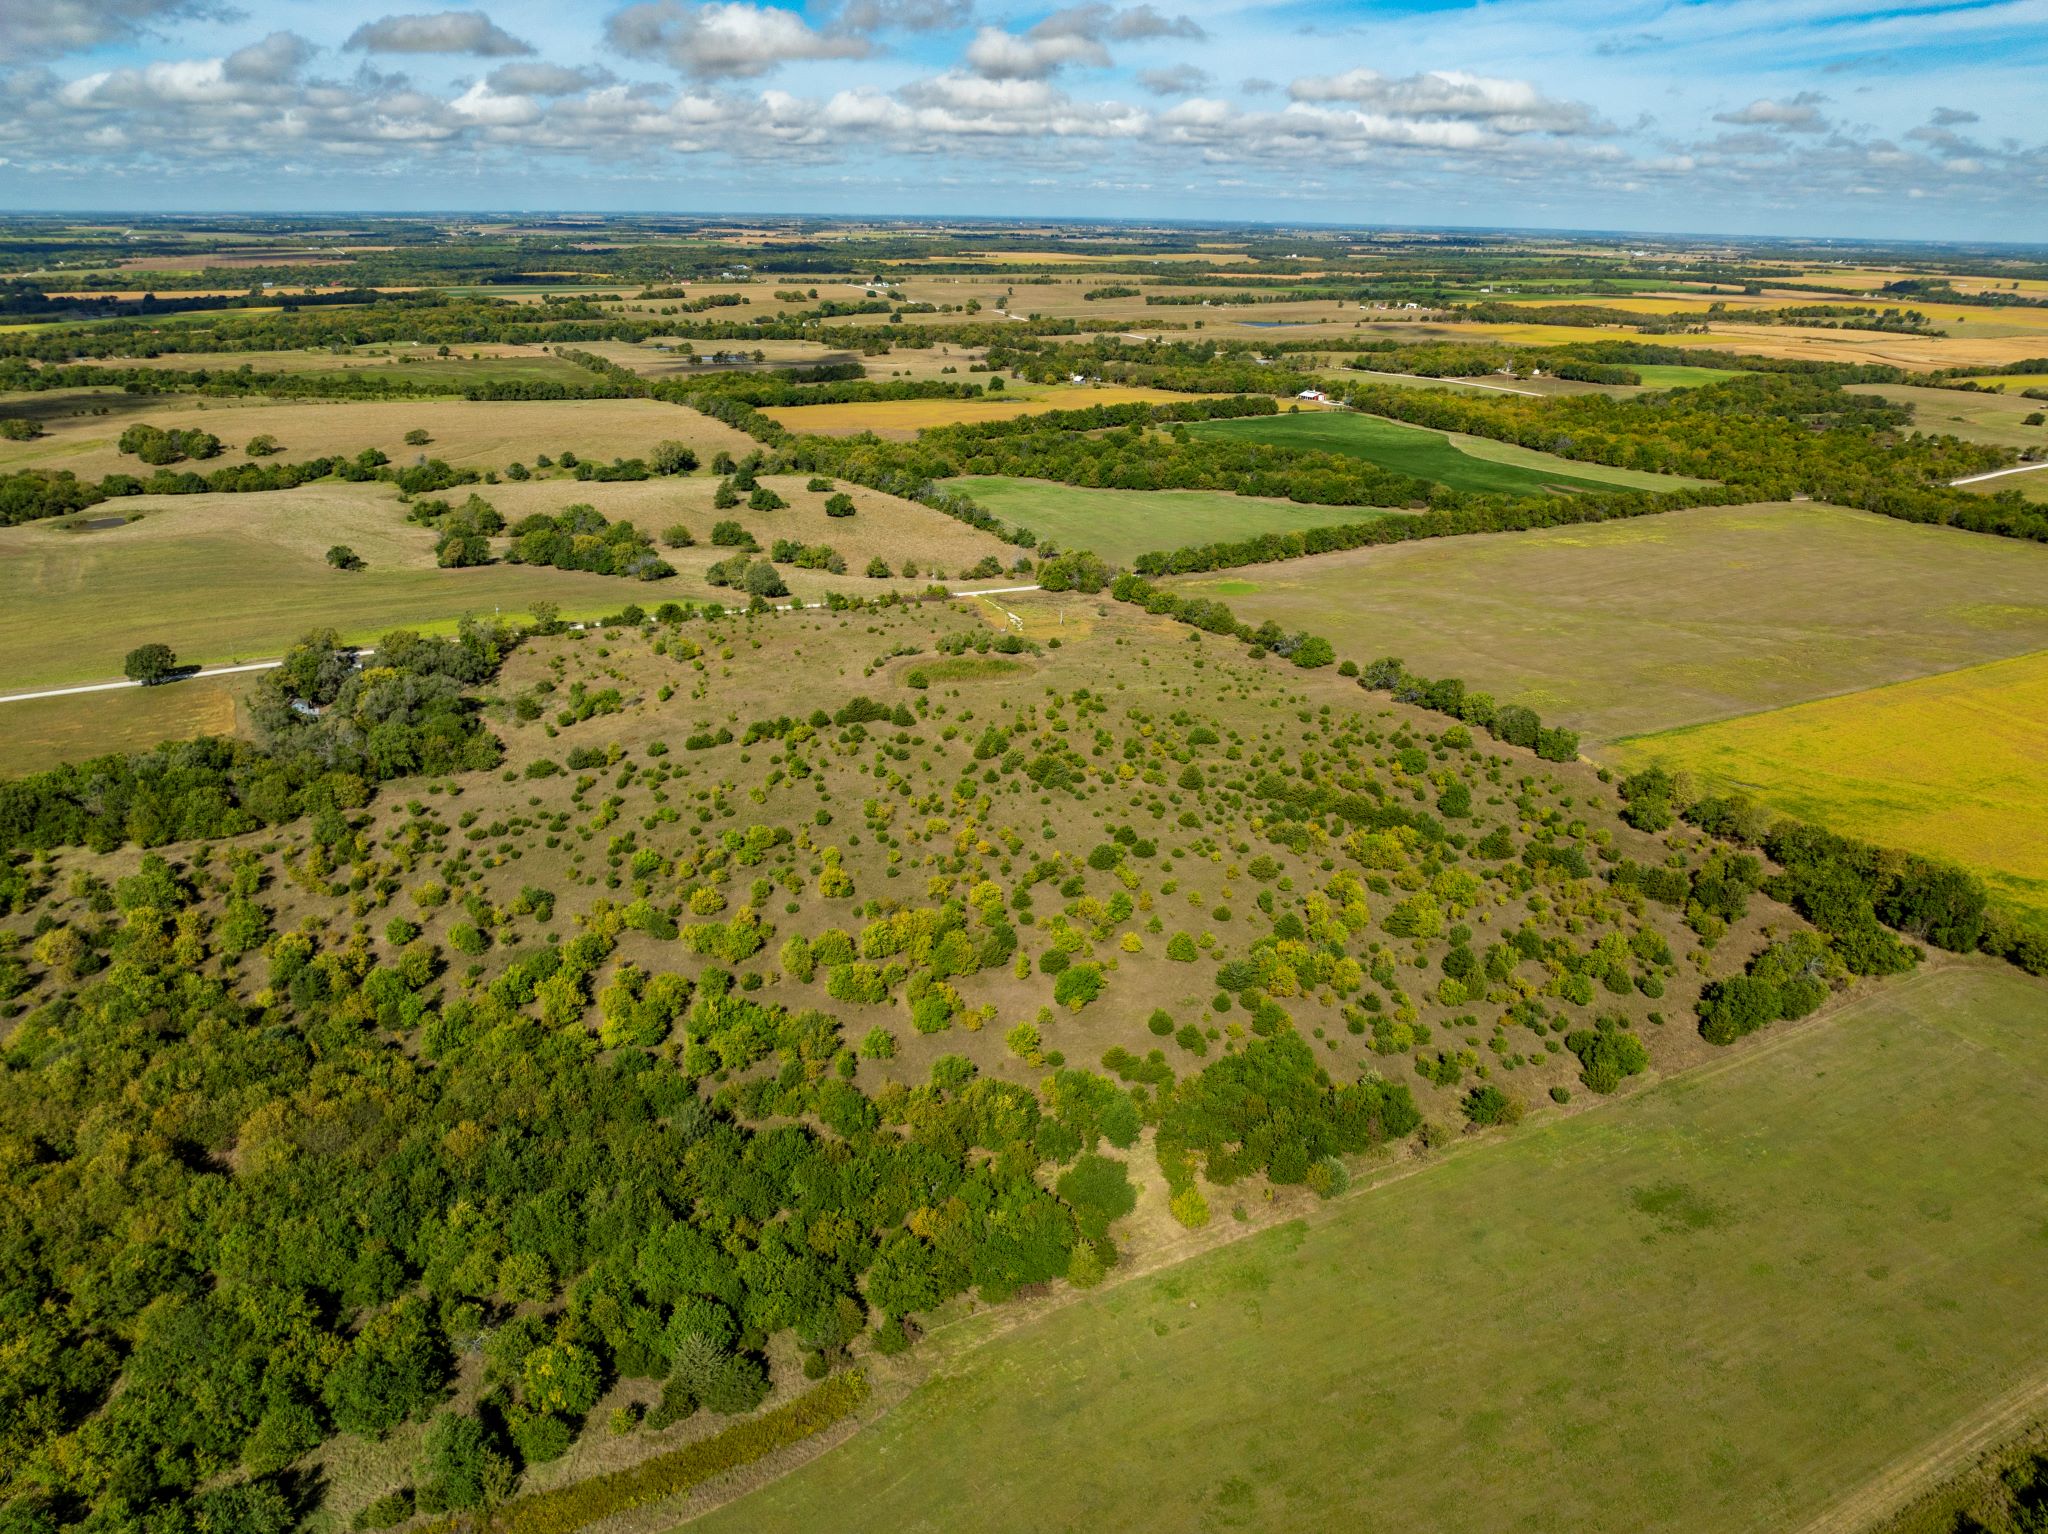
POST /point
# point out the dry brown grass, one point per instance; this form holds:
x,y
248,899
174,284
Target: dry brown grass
x,y
42,733
466,433
903,419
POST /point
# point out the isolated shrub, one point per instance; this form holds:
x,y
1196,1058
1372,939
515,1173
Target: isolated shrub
x,y
1077,986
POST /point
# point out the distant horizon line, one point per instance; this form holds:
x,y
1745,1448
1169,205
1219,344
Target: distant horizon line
x,y
1014,220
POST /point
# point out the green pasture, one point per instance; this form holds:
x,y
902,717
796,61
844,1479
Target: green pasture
x,y
1122,524
1622,628
1463,463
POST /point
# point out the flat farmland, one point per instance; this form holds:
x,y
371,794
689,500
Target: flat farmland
x,y
1955,766
1971,345
1714,1306
1122,524
465,359
1625,628
903,419
466,433
1463,463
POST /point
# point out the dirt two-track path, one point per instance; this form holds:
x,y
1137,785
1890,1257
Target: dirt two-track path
x,y
1900,1482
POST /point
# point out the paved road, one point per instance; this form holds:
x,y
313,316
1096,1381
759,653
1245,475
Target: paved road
x,y
272,665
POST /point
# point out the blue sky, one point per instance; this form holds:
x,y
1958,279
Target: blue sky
x,y
1792,117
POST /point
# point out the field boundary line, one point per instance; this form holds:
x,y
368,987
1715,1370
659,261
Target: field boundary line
x,y
1894,1487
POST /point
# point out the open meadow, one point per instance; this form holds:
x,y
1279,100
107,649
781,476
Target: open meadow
x,y
1979,416
1754,1286
228,577
1952,766
482,434
1122,524
1478,464
1622,628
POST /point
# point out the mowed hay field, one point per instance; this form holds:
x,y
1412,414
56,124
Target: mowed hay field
x,y
1122,524
903,419
466,433
1623,628
1463,463
1953,765
46,731
1720,1304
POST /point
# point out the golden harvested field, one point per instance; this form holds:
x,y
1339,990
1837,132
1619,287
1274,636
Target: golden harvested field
x,y
904,419
1981,347
1621,628
467,433
383,355
1953,765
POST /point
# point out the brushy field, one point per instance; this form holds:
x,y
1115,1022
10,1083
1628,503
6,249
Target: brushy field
x,y
1122,524
1623,628
882,526
905,418
1463,463
1718,1305
1953,765
227,577
466,433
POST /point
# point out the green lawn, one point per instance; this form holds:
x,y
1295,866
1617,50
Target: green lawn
x,y
1122,524
1463,463
1718,1305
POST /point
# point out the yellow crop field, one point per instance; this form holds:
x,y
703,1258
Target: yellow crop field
x,y
904,418
2013,380
1953,766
